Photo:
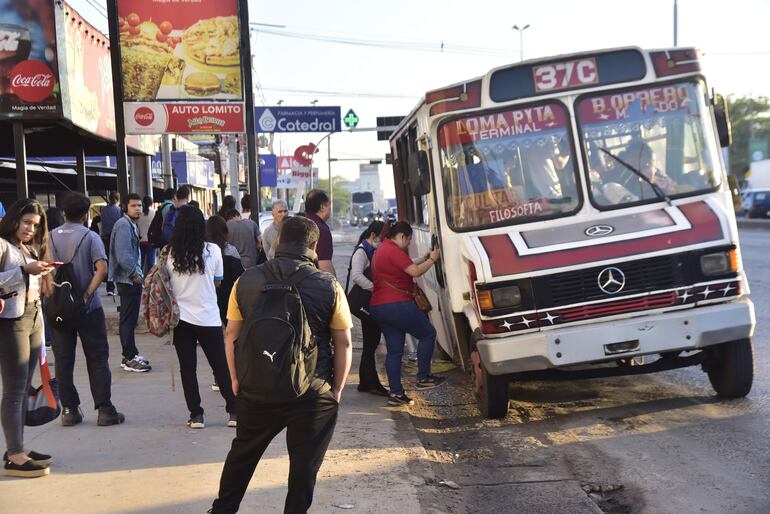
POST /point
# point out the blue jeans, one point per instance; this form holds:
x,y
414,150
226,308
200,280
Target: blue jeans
x,y
396,320
130,297
148,254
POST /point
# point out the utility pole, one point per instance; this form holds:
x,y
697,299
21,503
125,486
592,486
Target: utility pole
x,y
521,39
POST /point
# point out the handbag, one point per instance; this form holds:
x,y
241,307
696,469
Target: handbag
x,y
417,294
43,403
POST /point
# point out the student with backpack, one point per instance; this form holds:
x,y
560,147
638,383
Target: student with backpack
x,y
196,270
286,316
77,281
125,269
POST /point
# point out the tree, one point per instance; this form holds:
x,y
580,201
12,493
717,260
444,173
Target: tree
x,y
750,119
340,196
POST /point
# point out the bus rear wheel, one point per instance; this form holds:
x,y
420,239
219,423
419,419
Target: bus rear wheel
x,y
491,390
730,368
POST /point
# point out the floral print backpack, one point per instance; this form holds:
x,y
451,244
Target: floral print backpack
x,y
159,307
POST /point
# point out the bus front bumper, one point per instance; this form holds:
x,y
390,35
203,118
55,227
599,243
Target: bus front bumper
x,y
690,329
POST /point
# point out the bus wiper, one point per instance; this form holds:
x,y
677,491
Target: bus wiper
x,y
658,191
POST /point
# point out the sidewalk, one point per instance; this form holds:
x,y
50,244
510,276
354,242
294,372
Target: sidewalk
x,y
155,464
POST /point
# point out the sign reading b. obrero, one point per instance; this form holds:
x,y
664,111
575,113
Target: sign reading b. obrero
x,y
184,118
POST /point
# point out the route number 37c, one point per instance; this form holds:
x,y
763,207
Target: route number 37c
x,y
563,75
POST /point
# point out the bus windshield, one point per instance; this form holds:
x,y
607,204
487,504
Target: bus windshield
x,y
663,132
508,167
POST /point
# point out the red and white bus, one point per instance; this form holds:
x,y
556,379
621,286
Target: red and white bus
x,y
584,218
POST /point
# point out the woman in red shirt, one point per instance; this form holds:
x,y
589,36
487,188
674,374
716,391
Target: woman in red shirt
x,y
393,308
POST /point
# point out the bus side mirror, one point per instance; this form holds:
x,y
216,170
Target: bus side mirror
x,y
419,173
722,118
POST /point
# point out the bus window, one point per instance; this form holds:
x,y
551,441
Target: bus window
x,y
659,132
508,167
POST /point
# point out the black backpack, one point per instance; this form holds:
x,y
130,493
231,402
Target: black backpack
x,y
155,231
65,307
276,352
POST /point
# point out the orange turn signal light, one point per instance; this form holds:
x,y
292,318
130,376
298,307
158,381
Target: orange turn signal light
x,y
485,300
732,259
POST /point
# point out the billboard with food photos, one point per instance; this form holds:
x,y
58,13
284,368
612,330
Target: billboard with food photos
x,y
174,50
29,75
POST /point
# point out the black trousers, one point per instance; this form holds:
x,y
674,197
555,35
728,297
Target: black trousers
x,y
309,421
93,336
212,342
367,369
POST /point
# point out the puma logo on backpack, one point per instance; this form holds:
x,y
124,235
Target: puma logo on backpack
x,y
276,327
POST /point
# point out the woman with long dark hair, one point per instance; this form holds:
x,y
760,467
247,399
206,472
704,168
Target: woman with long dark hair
x,y
146,250
23,266
393,308
216,232
196,270
361,274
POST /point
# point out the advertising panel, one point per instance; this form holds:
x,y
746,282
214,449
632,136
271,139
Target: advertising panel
x,y
180,50
86,74
267,170
184,118
193,169
29,82
298,119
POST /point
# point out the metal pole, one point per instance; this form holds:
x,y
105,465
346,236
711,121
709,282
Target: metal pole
x,y
251,128
148,176
20,149
165,161
331,186
676,23
521,45
117,92
80,167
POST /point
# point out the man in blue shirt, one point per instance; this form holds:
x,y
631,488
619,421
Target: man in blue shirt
x,y
110,215
126,272
73,242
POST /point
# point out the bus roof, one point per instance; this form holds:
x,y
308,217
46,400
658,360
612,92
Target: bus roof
x,y
555,75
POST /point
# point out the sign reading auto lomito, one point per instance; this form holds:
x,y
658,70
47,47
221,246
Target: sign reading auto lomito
x,y
298,119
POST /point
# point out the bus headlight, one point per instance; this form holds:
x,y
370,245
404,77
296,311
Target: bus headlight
x,y
505,297
718,263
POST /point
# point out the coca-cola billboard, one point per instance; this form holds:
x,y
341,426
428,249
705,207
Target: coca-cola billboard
x,y
29,75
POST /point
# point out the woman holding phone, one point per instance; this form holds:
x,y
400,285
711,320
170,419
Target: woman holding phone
x,y
23,266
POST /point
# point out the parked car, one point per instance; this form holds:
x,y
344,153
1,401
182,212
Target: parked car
x,y
757,203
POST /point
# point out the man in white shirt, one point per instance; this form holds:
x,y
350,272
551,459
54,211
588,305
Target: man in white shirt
x,y
280,212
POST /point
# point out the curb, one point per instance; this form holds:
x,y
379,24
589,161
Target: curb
x,y
754,224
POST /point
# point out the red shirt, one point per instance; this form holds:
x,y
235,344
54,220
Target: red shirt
x,y
389,264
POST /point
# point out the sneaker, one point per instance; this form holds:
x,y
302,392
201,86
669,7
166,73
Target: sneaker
x,y
215,386
397,400
196,422
412,357
40,458
30,469
430,382
379,390
233,421
135,365
142,359
71,416
109,416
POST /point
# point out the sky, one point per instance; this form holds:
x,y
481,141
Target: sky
x,y
377,81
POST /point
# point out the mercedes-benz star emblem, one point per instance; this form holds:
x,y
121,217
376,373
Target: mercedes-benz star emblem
x,y
599,230
611,280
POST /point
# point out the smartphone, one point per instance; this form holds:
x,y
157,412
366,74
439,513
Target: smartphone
x,y
55,264
6,296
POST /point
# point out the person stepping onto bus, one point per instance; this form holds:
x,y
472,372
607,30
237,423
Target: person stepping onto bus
x,y
393,308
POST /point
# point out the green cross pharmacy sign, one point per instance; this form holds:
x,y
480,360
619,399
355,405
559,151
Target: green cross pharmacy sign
x,y
350,120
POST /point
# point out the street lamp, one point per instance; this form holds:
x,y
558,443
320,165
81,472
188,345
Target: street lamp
x,y
521,39
314,102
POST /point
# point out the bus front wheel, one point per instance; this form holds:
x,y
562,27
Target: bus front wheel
x,y
730,368
491,390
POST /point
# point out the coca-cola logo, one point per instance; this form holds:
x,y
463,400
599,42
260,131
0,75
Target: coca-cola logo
x,y
32,81
144,116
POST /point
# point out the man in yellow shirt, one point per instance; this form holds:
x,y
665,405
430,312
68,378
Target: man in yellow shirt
x,y
310,418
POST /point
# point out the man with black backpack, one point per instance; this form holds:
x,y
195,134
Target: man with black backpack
x,y
84,268
289,351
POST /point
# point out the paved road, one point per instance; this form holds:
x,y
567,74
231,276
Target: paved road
x,y
651,444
